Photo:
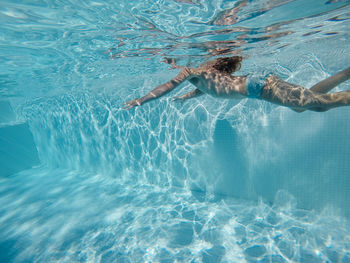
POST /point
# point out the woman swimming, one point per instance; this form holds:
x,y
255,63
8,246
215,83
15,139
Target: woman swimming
x,y
215,78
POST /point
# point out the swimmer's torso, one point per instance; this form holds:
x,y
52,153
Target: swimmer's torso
x,y
218,84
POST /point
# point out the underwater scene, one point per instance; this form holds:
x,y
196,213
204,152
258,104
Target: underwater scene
x,y
83,179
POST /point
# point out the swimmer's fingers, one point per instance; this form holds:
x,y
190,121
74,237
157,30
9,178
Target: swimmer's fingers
x,y
172,62
128,106
177,99
131,104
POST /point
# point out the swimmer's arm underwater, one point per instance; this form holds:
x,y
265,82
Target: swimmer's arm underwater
x,y
192,94
160,90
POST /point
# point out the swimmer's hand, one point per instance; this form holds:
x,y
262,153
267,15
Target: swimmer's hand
x,y
177,99
132,103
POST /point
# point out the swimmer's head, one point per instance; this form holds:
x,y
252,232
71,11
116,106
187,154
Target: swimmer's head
x,y
227,64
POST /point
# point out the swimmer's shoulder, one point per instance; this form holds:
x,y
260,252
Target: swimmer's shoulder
x,y
205,72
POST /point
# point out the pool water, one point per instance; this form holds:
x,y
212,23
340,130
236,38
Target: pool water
x,y
207,180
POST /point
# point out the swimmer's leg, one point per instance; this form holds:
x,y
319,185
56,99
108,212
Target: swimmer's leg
x,y
192,94
328,84
299,99
326,102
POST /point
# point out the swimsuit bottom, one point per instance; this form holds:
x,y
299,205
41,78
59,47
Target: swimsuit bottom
x,y
255,83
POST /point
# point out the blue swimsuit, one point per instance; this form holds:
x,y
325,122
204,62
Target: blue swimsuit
x,y
255,83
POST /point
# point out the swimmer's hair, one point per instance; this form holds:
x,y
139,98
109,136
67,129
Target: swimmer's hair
x,y
227,64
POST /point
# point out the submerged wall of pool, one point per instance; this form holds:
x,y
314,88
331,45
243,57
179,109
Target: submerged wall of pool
x,y
252,155
247,150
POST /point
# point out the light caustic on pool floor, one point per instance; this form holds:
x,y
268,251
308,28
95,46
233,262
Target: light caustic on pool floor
x,y
66,216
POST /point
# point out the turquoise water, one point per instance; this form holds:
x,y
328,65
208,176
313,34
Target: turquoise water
x,y
208,180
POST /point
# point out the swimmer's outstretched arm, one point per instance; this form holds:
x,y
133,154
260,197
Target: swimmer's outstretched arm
x,y
192,94
160,90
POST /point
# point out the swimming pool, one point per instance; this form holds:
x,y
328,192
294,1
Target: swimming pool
x,y
208,180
